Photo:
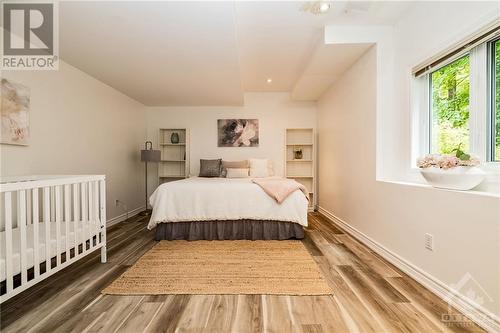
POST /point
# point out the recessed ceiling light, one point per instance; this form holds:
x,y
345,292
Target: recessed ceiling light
x,y
323,7
317,7
269,80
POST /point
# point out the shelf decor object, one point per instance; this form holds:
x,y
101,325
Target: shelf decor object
x,y
152,156
174,138
297,153
300,159
174,161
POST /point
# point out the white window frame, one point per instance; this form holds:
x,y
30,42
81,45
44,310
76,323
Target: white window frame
x,y
478,102
491,100
479,112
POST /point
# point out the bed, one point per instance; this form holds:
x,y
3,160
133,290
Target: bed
x,y
222,208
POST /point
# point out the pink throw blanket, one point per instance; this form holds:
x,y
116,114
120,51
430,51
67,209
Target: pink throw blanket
x,y
280,188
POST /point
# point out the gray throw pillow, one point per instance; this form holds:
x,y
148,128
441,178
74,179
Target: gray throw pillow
x,y
210,168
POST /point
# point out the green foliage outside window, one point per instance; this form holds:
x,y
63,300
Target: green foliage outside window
x,y
450,107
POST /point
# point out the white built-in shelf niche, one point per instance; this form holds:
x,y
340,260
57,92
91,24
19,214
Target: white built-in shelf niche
x,y
174,164
302,169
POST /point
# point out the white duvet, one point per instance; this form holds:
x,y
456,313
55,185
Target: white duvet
x,y
205,199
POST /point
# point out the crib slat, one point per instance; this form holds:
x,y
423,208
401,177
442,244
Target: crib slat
x,y
67,220
96,224
36,234
76,217
8,241
91,213
83,200
102,195
21,224
58,224
52,204
46,222
29,219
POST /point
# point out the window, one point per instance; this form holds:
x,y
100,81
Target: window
x,y
456,100
495,99
449,106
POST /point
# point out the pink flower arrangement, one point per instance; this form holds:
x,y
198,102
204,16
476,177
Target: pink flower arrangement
x,y
445,161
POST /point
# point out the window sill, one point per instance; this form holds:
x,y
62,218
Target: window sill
x,y
491,191
490,187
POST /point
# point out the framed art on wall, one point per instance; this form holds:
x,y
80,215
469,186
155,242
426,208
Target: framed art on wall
x,y
14,111
238,132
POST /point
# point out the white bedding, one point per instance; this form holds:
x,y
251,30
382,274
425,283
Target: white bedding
x,y
205,199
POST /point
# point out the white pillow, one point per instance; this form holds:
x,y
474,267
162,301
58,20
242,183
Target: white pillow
x,y
236,173
259,167
270,168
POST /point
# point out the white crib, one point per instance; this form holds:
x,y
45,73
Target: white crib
x,y
47,223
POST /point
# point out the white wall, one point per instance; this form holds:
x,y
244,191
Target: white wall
x,y
421,34
79,125
466,227
275,112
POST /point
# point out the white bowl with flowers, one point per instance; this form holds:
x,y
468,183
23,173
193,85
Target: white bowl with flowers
x,y
458,171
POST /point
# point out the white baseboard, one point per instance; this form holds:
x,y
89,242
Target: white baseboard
x,y
123,217
475,312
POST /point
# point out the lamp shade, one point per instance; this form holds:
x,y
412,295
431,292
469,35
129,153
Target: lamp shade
x,y
150,155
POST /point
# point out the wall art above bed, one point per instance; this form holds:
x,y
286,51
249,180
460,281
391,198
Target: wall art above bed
x,y
238,132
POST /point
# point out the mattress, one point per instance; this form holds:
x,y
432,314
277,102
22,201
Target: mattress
x,y
221,199
83,235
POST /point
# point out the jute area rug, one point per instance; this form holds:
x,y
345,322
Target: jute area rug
x,y
223,267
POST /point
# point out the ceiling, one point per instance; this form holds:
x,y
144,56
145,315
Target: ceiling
x,y
326,64
159,53
211,52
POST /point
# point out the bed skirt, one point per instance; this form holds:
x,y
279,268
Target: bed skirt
x,y
229,230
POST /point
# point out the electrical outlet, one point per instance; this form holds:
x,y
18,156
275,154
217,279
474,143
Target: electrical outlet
x,y
429,242
123,205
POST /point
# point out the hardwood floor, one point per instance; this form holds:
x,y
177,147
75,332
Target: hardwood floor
x,y
370,295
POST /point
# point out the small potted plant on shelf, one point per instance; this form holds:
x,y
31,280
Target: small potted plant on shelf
x,y
457,171
297,154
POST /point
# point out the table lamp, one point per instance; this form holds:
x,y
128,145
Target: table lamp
x,y
149,155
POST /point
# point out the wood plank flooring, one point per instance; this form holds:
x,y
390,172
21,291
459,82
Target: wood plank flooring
x,y
370,295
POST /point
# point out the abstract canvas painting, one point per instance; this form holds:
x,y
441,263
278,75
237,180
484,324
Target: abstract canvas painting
x,y
238,132
14,111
